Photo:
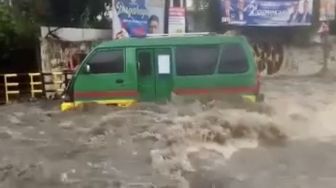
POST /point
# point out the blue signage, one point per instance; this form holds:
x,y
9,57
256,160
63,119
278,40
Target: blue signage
x,y
267,12
138,18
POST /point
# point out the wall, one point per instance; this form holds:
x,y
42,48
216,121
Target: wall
x,y
197,22
156,3
58,55
76,34
61,47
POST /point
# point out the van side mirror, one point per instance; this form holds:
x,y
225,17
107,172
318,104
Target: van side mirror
x,y
87,69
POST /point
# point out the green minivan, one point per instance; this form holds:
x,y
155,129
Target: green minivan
x,y
126,71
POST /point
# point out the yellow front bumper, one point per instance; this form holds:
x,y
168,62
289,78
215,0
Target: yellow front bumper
x,y
250,98
67,106
254,98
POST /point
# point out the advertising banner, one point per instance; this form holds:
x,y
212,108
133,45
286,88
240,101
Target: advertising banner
x,y
136,18
267,12
177,20
327,10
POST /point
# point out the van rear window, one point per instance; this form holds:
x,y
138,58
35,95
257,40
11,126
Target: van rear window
x,y
233,59
107,62
196,60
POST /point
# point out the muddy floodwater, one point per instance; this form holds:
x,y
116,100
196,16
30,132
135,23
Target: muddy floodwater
x,y
288,142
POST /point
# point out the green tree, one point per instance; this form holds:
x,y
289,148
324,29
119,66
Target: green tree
x,y
20,21
6,25
77,13
18,27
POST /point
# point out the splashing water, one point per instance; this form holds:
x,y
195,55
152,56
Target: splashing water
x,y
146,141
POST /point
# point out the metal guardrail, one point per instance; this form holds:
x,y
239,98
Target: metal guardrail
x,y
10,87
38,84
34,83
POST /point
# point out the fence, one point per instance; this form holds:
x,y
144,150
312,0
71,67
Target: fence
x,y
32,85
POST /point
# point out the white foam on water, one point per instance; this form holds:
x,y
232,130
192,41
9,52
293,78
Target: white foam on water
x,y
296,110
307,117
190,129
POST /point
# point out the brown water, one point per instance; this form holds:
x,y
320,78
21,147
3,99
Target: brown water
x,y
287,142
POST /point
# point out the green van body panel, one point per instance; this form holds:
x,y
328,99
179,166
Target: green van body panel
x,y
153,86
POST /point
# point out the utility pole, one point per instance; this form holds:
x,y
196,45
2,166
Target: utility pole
x,y
324,35
186,15
115,20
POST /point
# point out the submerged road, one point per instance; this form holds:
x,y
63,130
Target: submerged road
x,y
306,109
306,164
289,144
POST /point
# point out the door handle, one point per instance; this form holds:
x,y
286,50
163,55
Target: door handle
x,y
139,66
119,81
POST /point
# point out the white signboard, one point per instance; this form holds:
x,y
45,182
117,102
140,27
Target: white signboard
x,y
327,10
164,64
176,21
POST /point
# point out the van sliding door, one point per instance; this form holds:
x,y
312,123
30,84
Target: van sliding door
x,y
164,85
146,74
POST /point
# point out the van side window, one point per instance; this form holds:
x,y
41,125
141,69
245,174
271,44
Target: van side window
x,y
196,60
145,63
107,62
233,59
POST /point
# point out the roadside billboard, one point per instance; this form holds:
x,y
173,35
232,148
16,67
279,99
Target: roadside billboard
x,y
136,18
267,12
327,10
